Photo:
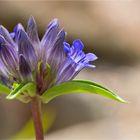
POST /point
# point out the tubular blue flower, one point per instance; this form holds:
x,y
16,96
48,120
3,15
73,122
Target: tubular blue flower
x,y
46,62
76,60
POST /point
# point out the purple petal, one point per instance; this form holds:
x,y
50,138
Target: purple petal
x,y
53,23
50,35
66,71
69,70
75,62
17,29
12,35
90,66
91,57
4,32
7,51
66,47
26,48
56,55
24,68
32,30
76,50
8,55
3,70
78,44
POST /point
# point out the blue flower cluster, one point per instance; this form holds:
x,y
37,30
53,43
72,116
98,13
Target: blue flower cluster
x,y
47,62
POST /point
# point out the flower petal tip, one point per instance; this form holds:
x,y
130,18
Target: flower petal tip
x,y
66,47
78,44
53,23
31,22
18,28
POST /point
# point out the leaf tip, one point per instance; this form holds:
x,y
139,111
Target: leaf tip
x,y
122,100
9,97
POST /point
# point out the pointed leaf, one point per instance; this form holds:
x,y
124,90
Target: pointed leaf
x,y
4,89
92,83
77,86
26,88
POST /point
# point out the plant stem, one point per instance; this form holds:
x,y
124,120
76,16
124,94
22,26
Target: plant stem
x,y
36,114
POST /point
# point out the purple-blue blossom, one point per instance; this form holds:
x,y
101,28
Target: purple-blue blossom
x,y
47,62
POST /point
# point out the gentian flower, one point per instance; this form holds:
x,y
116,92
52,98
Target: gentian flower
x,y
47,62
39,70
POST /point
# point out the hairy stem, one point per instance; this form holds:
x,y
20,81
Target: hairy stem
x,y
36,114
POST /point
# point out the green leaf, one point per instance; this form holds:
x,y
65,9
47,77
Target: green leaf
x,y
92,83
26,88
77,86
4,89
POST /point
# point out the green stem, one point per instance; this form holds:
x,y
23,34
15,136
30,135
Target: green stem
x,y
36,114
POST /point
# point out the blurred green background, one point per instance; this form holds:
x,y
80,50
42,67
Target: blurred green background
x,y
111,30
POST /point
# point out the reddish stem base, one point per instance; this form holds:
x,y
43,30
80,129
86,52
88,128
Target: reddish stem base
x,y
36,114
